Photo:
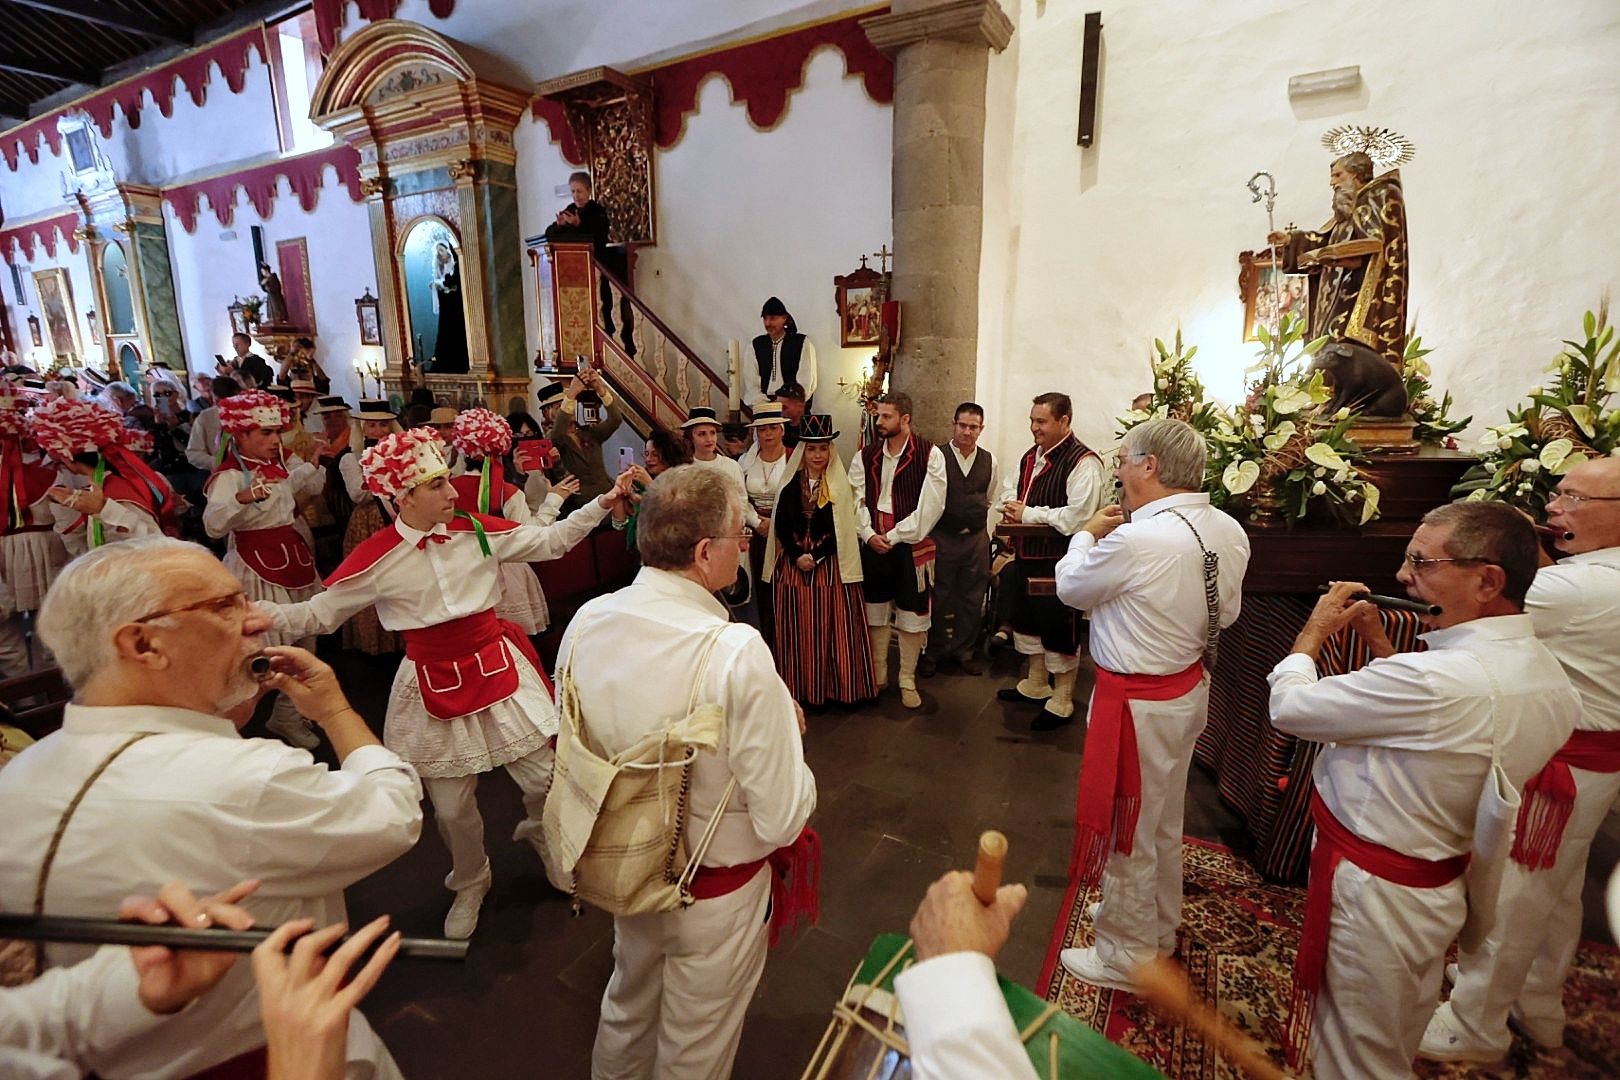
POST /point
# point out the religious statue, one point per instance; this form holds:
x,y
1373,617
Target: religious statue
x,y
1357,262
275,302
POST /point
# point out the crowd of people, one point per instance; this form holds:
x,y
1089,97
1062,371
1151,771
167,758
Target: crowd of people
x,y
775,577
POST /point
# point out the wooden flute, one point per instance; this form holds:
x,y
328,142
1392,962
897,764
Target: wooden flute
x,y
1393,603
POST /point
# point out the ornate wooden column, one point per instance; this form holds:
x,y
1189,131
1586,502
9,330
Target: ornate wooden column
x,y
941,58
129,217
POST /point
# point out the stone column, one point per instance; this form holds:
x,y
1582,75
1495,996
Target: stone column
x,y
941,57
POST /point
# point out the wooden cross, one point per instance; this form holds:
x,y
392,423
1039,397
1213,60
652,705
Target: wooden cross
x,y
863,262
884,254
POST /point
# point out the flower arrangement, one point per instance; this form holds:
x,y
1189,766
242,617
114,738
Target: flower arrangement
x,y
1560,425
1177,391
1432,419
1272,457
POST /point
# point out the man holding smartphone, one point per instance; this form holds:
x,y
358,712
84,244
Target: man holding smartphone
x,y
580,445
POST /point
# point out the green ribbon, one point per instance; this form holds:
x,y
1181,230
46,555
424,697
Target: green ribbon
x,y
97,534
483,488
478,530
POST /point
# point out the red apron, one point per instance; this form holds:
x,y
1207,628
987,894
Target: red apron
x,y
1549,796
278,555
464,665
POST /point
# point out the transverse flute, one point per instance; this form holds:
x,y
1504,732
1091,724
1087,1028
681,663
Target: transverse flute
x,y
1556,534
1393,603
113,932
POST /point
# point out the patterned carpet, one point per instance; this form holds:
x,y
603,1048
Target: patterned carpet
x,y
1237,942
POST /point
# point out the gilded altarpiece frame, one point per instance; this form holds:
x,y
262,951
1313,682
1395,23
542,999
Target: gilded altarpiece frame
x,y
435,139
611,116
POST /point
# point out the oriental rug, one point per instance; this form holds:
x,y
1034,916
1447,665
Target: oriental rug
x,y
1237,942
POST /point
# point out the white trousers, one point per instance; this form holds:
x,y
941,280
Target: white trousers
x,y
461,825
1142,891
1056,662
907,622
681,985
1526,956
1386,950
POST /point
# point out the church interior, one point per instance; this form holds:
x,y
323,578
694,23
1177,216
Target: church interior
x,y
957,201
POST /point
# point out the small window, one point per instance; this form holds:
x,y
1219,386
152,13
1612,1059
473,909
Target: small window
x,y
295,66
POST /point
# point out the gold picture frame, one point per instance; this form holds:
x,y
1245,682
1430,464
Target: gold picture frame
x,y
1268,293
55,293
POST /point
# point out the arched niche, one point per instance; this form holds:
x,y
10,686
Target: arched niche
x,y
120,307
434,134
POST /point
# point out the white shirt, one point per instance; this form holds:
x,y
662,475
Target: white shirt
x,y
957,1022
120,520
415,587
1575,606
1409,736
626,692
203,443
930,501
732,471
224,516
965,466
753,393
1085,491
1143,584
72,1020
761,478
198,803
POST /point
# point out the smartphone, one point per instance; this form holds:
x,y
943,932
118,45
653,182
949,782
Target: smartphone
x,y
526,454
627,457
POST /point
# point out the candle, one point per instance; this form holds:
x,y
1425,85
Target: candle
x,y
733,376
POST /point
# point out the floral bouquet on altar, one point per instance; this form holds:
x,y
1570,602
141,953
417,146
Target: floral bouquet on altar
x,y
1176,391
1561,424
1432,422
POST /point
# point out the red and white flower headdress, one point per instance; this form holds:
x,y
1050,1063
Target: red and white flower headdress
x,y
251,410
402,461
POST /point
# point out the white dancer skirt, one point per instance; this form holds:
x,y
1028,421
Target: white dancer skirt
x,y
477,742
522,601
30,561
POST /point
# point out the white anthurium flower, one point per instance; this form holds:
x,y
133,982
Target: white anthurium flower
x,y
1324,455
1418,366
1573,461
1369,503
1319,488
1582,415
1279,438
1529,465
1342,413
1478,495
1290,400
1553,454
1240,476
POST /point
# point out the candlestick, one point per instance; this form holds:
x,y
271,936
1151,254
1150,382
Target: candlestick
x,y
734,376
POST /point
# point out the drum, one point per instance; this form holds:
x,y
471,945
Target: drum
x,y
866,1038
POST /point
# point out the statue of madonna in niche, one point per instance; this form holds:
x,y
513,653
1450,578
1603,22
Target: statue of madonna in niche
x,y
433,296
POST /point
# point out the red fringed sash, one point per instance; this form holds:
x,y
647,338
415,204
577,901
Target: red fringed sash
x,y
1549,797
1110,795
795,882
1335,843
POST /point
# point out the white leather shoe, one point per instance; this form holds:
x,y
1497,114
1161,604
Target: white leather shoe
x,y
1445,1040
1085,965
1452,971
462,920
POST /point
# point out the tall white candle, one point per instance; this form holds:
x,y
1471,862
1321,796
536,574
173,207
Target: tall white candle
x,y
734,376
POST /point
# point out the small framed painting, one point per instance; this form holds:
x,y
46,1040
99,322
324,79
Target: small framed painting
x,y
368,312
860,296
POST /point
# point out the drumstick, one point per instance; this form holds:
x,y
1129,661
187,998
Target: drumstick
x,y
113,932
1164,985
987,869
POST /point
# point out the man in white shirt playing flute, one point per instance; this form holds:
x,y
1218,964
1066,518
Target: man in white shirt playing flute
x,y
1400,784
1516,975
1159,588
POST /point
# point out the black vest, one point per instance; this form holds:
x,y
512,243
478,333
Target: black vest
x,y
792,348
967,498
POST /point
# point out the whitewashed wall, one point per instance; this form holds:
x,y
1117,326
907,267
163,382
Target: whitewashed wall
x,y
1088,254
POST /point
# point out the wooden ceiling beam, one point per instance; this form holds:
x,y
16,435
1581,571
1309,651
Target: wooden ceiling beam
x,y
45,69
100,14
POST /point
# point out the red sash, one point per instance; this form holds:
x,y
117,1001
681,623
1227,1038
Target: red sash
x,y
463,665
1334,843
923,551
1549,796
278,554
1110,795
795,882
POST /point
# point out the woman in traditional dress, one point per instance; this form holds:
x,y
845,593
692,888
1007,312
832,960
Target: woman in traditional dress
x,y
363,632
813,561
763,466
483,438
702,430
31,552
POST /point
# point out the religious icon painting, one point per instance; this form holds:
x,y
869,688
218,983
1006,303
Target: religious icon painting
x,y
859,297
367,310
61,323
35,332
1268,293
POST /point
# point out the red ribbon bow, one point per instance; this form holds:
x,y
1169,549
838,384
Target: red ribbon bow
x,y
437,538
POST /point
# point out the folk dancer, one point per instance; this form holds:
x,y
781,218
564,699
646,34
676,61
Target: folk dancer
x,y
1060,482
1406,769
900,486
105,492
962,537
1159,588
471,694
31,552
1516,975
682,979
253,497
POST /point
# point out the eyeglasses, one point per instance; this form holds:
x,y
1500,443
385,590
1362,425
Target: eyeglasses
x,y
1418,563
742,538
230,604
1575,500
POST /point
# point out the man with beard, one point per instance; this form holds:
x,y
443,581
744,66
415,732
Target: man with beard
x,y
154,635
1357,262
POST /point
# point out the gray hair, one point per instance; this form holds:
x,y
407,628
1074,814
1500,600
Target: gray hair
x,y
1177,445
1495,533
102,590
684,505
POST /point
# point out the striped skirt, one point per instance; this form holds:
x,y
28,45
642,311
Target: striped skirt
x,y
822,648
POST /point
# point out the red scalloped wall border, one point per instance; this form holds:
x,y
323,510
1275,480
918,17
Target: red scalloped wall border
x,y
763,74
193,70
332,15
30,237
262,183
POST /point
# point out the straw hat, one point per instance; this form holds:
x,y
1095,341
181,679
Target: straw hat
x,y
701,414
767,412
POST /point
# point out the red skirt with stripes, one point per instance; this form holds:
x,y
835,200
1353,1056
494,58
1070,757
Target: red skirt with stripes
x,y
822,648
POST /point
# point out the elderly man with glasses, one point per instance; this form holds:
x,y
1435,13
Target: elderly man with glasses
x,y
1408,771
148,780
1516,975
